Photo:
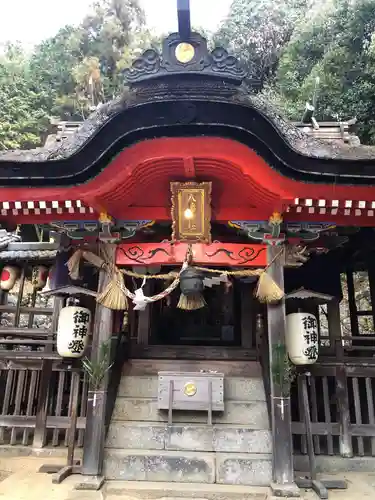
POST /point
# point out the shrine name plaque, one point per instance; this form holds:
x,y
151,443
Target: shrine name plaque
x,y
191,211
195,391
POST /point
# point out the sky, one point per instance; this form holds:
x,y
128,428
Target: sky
x,y
30,21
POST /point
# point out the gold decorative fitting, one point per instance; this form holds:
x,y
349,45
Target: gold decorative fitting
x,y
184,52
104,218
276,218
190,389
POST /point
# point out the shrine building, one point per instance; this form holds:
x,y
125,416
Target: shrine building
x,y
188,287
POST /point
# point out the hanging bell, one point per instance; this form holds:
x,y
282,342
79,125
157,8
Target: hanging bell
x,y
191,281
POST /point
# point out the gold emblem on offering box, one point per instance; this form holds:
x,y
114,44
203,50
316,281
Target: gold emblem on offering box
x,y
190,389
184,52
191,211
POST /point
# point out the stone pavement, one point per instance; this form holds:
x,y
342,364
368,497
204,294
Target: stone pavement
x,y
19,480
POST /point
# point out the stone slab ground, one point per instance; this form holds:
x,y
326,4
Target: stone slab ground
x,y
19,480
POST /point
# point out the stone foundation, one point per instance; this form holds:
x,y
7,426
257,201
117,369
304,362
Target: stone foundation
x,y
235,449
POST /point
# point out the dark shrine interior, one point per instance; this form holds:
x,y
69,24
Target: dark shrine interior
x,y
216,324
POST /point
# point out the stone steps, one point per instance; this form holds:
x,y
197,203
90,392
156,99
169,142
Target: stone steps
x,y
254,414
235,388
193,437
187,466
235,449
248,369
176,491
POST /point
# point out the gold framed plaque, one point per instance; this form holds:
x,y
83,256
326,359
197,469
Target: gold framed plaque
x,y
191,211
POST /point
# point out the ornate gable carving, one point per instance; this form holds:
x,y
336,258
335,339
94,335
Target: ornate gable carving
x,y
186,58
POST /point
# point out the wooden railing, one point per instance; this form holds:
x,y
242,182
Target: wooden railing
x,y
37,389
342,409
36,402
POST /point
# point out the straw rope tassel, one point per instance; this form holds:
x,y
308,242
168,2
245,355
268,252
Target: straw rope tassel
x,y
191,302
73,264
113,296
267,290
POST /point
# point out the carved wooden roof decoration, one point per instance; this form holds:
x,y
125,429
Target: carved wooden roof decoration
x,y
200,63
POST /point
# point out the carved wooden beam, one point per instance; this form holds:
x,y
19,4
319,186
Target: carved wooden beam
x,y
216,254
296,255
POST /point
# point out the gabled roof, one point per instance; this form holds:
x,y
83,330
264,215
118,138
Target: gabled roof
x,y
209,96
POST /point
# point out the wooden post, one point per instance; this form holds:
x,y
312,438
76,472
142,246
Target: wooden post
x,y
93,450
41,410
371,278
44,385
334,327
346,447
283,471
183,13
247,316
144,319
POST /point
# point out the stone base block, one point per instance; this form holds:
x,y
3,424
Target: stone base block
x,y
235,388
219,438
132,465
244,469
222,468
252,414
285,490
176,491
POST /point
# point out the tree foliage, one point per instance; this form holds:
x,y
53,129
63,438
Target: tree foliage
x,y
336,47
288,45
22,115
257,31
291,45
70,73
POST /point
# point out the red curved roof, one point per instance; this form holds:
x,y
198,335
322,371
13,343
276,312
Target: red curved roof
x,y
135,185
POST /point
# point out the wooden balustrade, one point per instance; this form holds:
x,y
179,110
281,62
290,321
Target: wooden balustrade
x,y
342,409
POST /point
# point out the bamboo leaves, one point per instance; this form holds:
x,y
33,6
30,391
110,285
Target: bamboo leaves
x,y
96,370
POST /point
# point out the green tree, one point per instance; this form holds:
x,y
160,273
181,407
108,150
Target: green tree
x,y
52,64
257,30
78,67
106,33
22,112
336,46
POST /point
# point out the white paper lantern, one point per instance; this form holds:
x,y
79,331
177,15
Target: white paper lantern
x,y
302,338
9,276
73,331
39,277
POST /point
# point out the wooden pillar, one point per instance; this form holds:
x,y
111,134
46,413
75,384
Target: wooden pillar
x,y
144,319
371,278
334,328
42,409
346,446
93,450
247,316
283,471
44,383
342,396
